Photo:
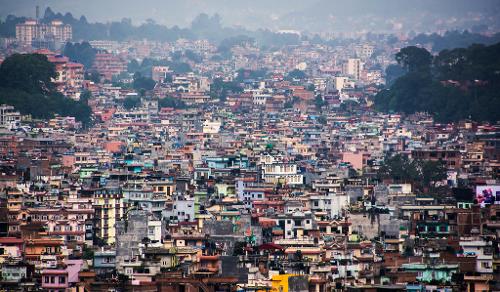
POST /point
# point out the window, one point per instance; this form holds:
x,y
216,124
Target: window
x,y
47,279
52,279
486,265
62,280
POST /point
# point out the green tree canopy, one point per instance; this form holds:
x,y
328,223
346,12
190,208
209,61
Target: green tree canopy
x,y
421,173
82,53
455,84
296,74
172,102
144,83
131,102
414,59
32,73
26,83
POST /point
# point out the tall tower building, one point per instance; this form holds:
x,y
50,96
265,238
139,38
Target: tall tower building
x,y
32,31
353,68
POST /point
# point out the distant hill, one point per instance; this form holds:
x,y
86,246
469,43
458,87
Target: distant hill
x,y
391,15
454,39
316,15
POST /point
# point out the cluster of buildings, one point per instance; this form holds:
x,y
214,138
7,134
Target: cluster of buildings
x,y
214,198
37,34
275,186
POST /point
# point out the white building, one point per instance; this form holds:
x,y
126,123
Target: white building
x,y
480,249
32,30
286,173
182,210
353,67
211,127
333,203
9,117
159,73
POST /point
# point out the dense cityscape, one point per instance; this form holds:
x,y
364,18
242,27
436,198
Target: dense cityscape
x,y
265,160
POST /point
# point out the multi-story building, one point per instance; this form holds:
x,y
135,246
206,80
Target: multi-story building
x,y
70,75
108,65
9,117
109,208
353,67
32,31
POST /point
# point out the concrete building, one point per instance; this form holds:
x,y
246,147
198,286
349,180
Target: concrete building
x,y
9,117
353,67
30,31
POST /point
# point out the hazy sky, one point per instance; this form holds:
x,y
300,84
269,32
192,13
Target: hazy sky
x,y
313,15
171,12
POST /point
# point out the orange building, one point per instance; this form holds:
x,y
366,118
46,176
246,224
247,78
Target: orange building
x,y
38,247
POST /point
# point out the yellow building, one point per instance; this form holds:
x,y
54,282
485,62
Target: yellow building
x,y
163,187
289,283
109,208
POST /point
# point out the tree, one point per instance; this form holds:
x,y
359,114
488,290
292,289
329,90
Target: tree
x,y
130,102
85,96
133,66
472,92
88,253
393,72
414,59
172,102
322,120
26,84
244,74
146,241
421,173
296,74
93,76
399,168
319,102
145,83
8,26
432,172
82,53
220,89
454,39
193,56
32,73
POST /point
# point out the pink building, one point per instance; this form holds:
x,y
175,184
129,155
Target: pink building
x,y
61,279
356,159
55,280
108,65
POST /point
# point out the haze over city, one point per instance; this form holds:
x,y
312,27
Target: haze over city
x,y
317,15
261,146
